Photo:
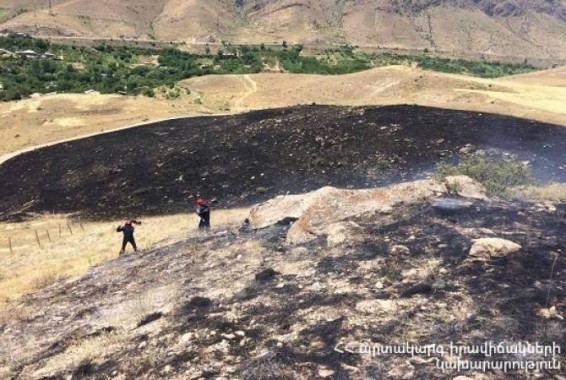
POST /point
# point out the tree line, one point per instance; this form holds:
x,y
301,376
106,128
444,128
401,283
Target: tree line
x,y
123,69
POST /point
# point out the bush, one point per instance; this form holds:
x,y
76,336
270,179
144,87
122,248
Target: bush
x,y
497,176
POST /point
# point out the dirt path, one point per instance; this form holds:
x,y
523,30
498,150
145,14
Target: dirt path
x,y
251,88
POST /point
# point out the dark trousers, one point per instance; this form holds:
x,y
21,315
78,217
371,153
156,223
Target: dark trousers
x,y
204,223
131,240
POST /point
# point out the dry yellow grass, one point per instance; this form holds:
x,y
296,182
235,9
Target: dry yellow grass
x,y
30,266
386,85
552,192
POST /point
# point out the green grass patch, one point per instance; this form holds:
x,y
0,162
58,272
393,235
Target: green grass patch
x,y
497,176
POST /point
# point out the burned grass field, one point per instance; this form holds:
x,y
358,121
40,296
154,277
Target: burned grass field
x,y
246,305
251,157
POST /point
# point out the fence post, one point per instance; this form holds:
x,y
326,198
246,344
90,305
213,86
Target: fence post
x,y
69,226
37,239
10,244
48,236
59,229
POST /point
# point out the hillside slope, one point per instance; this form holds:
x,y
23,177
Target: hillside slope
x,y
244,304
249,157
506,28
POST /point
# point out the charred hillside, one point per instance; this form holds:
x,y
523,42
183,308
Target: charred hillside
x,y
246,304
248,158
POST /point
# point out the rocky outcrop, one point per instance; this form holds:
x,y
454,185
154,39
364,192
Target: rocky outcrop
x,y
316,213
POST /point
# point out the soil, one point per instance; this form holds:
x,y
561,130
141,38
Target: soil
x,y
247,158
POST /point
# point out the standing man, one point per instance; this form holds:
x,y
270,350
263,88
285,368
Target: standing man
x,y
203,211
127,228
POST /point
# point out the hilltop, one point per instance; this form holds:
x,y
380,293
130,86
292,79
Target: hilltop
x,y
527,29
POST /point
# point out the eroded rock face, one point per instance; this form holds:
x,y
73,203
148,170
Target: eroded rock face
x,y
316,211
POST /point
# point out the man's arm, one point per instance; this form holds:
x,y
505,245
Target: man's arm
x,y
136,221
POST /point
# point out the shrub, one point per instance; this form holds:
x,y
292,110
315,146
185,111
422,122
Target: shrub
x,y
497,176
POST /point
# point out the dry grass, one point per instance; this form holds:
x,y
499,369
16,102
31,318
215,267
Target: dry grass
x,y
30,267
552,192
84,351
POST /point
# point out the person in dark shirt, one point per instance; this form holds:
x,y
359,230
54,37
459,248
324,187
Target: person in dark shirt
x,y
127,228
203,211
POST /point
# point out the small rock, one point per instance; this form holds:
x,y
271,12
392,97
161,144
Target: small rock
x,y
142,345
316,286
379,285
325,372
167,369
185,338
229,336
550,313
230,370
399,250
240,333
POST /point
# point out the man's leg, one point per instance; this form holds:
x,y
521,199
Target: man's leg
x,y
133,243
206,218
124,242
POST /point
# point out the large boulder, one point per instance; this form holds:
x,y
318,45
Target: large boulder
x,y
315,211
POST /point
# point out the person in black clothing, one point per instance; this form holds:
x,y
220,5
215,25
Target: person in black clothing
x,y
203,211
127,228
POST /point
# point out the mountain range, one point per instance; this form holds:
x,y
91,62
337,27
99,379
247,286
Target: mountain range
x,y
517,28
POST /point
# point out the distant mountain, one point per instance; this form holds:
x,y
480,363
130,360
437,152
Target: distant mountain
x,y
519,28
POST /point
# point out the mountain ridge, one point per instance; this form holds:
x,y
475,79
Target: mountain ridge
x,y
516,28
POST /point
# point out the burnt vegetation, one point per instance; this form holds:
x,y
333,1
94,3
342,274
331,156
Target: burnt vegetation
x,y
288,327
252,157
243,303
